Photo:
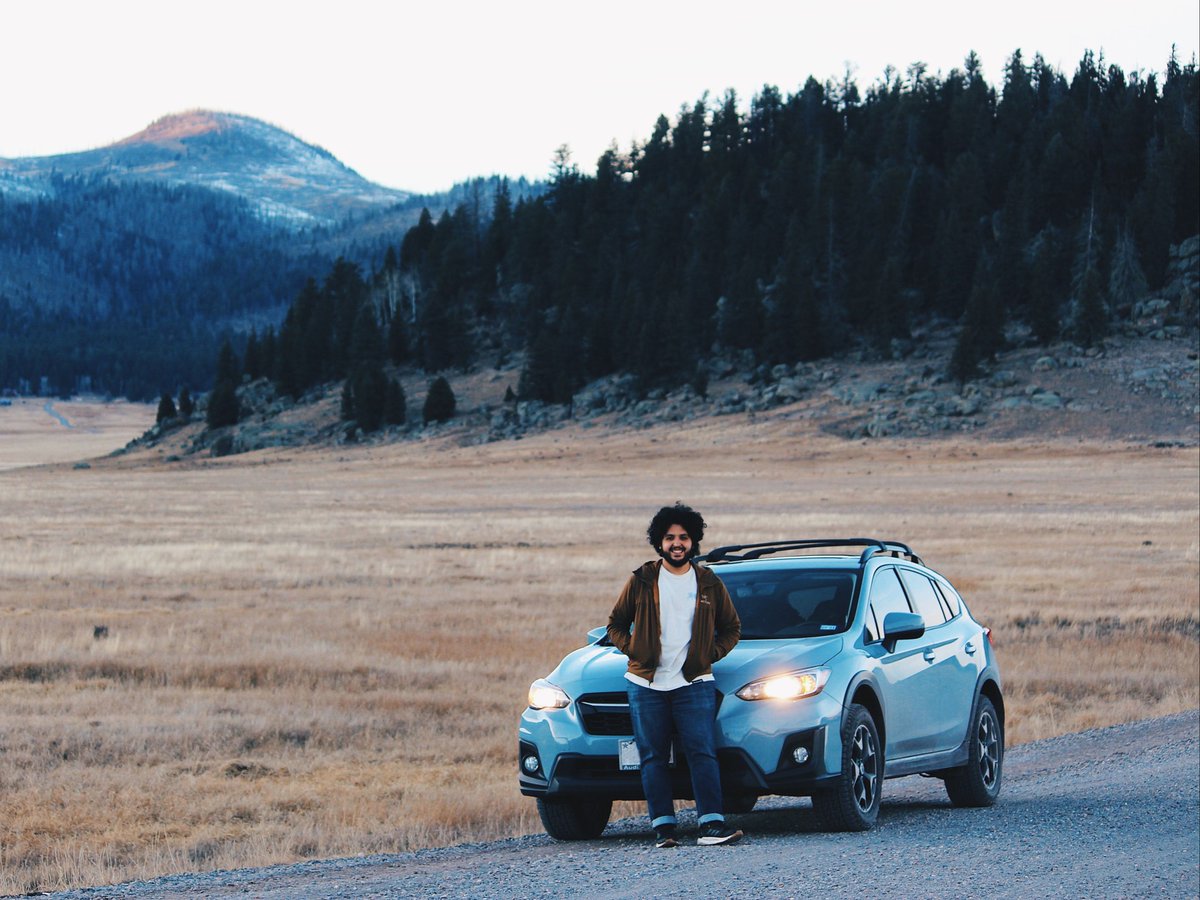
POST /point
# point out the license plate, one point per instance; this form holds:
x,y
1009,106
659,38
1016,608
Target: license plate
x,y
628,756
630,760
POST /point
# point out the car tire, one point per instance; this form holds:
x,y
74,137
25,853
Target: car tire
x,y
573,818
738,803
853,804
978,782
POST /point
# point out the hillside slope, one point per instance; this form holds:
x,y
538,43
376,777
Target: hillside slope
x,y
1140,388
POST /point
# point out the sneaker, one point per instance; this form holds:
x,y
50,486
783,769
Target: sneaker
x,y
664,836
717,833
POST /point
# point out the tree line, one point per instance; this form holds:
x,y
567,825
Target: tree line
x,y
811,222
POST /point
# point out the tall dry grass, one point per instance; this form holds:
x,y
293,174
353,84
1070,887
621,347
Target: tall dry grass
x,y
325,653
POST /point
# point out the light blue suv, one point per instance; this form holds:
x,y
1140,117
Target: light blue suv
x,y
850,669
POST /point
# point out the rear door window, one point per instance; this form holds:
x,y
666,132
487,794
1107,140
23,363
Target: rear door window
x,y
886,596
953,604
921,593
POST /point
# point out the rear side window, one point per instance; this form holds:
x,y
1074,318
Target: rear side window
x,y
921,592
886,596
950,598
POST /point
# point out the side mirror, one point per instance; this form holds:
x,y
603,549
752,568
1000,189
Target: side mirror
x,y
597,635
901,626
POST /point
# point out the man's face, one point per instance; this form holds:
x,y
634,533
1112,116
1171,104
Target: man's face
x,y
676,547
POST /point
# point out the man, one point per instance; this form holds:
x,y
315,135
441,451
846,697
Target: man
x,y
673,620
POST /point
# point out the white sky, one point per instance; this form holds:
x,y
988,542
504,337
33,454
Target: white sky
x,y
420,95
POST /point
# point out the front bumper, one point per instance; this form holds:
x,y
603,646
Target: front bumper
x,y
755,745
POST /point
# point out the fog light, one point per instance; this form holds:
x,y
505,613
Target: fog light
x,y
800,755
531,763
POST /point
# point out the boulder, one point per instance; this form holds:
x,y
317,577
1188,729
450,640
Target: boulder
x,y
1188,248
962,406
921,398
860,392
1047,400
881,426
789,390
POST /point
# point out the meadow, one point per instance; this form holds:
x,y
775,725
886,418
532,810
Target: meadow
x,y
290,654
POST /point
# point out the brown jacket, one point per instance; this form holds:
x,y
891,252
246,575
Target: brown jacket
x,y
715,626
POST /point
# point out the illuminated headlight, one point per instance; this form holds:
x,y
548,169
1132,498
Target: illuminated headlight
x,y
544,695
792,686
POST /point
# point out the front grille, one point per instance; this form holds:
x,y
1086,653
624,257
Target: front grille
x,y
606,713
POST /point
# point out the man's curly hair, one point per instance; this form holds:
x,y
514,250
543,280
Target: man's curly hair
x,y
679,514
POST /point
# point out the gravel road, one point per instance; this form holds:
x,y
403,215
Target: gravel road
x,y
1113,812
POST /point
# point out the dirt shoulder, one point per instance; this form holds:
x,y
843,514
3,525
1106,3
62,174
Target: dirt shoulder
x,y
1109,812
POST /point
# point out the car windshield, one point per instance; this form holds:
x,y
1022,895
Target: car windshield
x,y
790,603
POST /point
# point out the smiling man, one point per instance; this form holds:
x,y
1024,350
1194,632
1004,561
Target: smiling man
x,y
673,620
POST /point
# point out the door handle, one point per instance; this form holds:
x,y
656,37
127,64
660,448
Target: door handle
x,y
929,656
969,646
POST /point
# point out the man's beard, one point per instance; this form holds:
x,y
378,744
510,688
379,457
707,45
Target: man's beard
x,y
686,558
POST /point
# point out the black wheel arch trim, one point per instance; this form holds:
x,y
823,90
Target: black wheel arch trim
x,y
987,685
867,680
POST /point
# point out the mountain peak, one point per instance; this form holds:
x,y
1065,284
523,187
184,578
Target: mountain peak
x,y
281,175
175,127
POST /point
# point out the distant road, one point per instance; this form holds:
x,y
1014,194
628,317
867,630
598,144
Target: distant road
x,y
63,420
1113,812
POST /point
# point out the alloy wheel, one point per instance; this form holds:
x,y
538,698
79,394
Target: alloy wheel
x,y
988,738
864,767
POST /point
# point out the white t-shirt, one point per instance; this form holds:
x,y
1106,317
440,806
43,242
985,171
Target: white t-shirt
x,y
676,610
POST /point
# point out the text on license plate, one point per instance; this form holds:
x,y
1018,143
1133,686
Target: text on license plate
x,y
629,759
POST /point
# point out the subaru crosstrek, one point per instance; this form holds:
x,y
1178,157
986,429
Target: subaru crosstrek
x,y
850,669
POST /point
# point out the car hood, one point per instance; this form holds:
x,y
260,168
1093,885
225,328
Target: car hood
x,y
601,668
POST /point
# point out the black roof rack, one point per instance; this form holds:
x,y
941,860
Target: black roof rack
x,y
737,552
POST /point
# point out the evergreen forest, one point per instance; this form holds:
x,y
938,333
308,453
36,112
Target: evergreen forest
x,y
808,224
126,288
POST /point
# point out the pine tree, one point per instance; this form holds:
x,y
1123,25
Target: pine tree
x,y
186,405
369,389
366,343
222,405
1089,320
166,409
251,361
982,333
395,405
1126,281
397,339
223,402
439,402
1048,284
1089,311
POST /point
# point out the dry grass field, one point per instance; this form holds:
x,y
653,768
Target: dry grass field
x,y
36,430
322,653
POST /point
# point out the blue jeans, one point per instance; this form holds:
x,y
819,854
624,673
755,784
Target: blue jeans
x,y
691,713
